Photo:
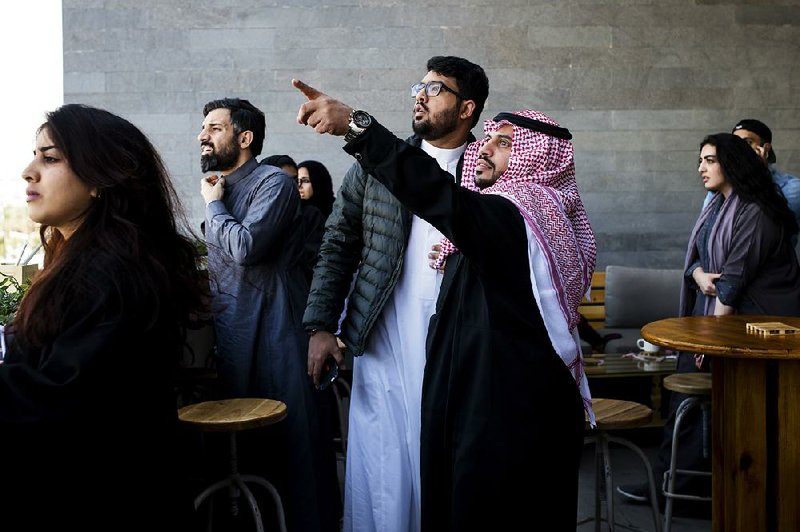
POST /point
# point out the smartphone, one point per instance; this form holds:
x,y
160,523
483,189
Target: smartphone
x,y
330,372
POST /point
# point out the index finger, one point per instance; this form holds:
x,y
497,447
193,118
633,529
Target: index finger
x,y
310,92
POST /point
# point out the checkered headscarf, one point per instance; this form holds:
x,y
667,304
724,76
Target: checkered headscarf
x,y
540,181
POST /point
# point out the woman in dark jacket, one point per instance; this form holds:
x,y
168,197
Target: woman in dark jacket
x,y
87,399
316,194
740,260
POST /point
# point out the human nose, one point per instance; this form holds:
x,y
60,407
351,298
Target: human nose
x,y
486,149
29,173
203,135
422,94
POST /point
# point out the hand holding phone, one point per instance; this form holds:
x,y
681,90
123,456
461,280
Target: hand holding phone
x,y
330,372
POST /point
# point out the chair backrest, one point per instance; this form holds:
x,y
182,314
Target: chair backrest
x,y
593,308
637,296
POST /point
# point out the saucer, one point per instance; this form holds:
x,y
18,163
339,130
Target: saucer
x,y
648,358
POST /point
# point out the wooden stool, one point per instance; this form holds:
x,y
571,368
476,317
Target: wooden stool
x,y
231,416
698,387
612,414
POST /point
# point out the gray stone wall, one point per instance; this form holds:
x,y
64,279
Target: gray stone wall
x,y
639,83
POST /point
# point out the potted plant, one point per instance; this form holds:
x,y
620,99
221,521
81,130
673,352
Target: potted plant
x,y
11,292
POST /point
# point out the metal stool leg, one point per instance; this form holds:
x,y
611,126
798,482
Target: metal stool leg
x,y
650,478
603,444
275,497
237,484
669,476
603,474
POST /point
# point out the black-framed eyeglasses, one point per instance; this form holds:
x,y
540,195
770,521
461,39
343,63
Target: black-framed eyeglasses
x,y
432,88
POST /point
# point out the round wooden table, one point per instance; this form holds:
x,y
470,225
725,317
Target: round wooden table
x,y
756,423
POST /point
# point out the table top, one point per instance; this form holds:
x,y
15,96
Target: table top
x,y
614,365
725,336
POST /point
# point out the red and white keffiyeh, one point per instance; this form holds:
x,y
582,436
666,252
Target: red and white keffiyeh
x,y
540,181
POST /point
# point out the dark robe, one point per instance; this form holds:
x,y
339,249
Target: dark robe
x,y
314,230
89,424
502,417
255,238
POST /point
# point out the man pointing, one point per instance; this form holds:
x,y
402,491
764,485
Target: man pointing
x,y
504,392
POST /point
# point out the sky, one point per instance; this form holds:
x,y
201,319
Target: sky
x,y
32,84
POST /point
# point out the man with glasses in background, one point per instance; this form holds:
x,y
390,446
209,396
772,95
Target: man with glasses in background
x,y
374,258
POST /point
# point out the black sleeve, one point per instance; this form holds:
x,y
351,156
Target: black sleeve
x,y
482,226
37,386
339,254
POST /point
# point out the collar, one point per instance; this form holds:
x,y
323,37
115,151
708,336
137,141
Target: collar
x,y
241,172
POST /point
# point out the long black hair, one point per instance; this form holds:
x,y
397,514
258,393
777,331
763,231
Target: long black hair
x,y
750,178
323,186
132,230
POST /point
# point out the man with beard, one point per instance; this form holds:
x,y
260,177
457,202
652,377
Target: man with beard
x,y
254,235
504,392
371,236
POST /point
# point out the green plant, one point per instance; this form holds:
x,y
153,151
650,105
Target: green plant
x,y
11,292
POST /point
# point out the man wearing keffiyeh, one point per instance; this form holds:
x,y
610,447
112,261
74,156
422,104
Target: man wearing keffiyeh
x,y
504,393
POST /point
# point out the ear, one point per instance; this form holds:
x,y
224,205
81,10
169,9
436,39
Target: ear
x,y
467,109
245,139
767,146
94,193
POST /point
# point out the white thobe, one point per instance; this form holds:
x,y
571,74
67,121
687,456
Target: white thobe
x,y
382,486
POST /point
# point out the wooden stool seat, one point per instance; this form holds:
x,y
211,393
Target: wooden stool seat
x,y
612,414
689,383
232,416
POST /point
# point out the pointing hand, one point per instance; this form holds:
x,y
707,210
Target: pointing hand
x,y
320,111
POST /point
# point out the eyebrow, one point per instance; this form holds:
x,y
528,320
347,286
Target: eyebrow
x,y
45,148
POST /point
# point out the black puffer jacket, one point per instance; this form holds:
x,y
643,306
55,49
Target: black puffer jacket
x,y
366,237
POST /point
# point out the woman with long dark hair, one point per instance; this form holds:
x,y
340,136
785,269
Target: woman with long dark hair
x,y
87,398
740,260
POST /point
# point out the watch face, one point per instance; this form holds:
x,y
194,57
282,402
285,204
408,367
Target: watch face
x,y
362,119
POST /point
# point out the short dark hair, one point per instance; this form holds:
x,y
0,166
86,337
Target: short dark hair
x,y
471,79
279,160
245,117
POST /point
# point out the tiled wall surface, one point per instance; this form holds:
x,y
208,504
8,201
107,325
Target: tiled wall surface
x,y
639,83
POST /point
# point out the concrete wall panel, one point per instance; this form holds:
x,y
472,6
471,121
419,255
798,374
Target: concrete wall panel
x,y
638,82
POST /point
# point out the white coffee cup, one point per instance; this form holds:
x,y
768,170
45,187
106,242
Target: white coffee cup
x,y
646,346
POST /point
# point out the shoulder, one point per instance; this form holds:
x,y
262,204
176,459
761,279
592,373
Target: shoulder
x,y
269,177
783,179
